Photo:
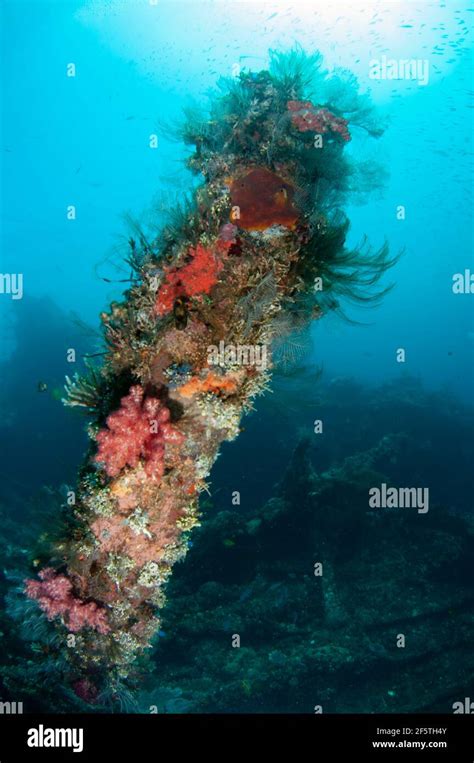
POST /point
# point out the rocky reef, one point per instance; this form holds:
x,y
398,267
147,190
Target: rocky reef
x,y
257,252
320,590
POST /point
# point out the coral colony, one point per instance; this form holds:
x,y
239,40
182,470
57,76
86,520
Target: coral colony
x,y
258,252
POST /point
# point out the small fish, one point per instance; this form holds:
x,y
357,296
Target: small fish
x,y
42,386
57,393
281,197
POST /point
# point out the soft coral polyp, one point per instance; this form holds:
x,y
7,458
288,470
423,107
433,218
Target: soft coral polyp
x,y
139,429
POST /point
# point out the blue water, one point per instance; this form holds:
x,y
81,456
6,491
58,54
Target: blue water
x,y
85,141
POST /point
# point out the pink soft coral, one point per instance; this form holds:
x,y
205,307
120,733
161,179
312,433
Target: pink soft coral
x,y
53,593
305,116
139,429
197,277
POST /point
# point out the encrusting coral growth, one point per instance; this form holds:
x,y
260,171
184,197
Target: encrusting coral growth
x,y
259,251
54,595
